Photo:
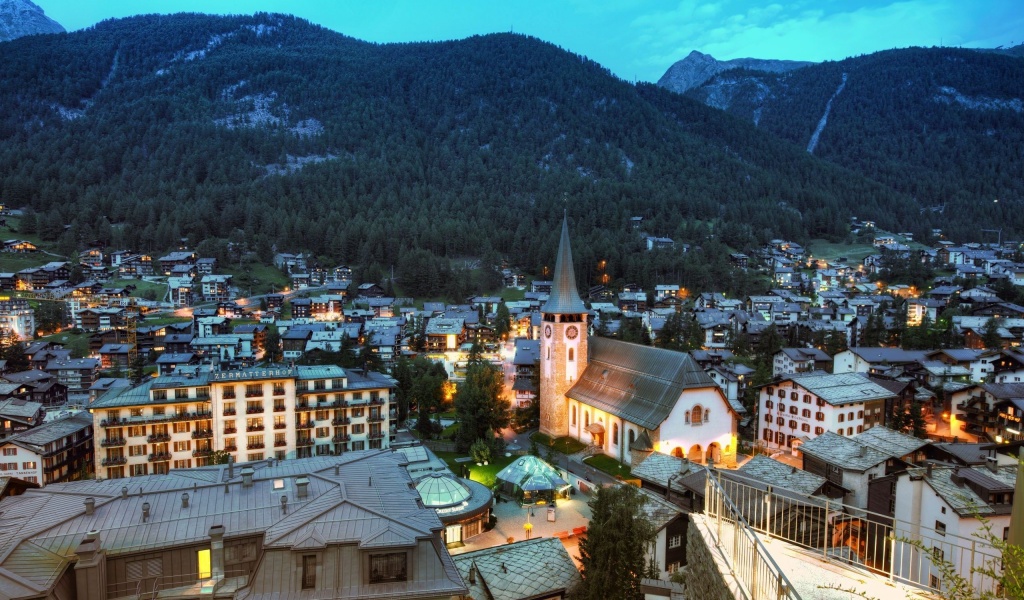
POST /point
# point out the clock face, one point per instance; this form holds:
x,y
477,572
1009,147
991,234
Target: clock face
x,y
547,331
571,332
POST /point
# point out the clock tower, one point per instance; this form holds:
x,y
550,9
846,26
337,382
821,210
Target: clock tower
x,y
563,342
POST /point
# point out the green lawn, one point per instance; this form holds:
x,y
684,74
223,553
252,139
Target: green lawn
x,y
485,474
565,445
156,290
608,464
12,262
855,253
77,343
263,279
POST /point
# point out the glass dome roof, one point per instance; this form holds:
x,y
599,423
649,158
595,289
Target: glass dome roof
x,y
438,490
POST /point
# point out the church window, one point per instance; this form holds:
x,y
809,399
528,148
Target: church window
x,y
586,418
632,436
707,415
687,416
573,416
615,434
572,354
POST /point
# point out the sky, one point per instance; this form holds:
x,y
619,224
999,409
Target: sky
x,y
635,39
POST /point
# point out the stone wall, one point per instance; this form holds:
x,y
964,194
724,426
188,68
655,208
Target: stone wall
x,y
707,574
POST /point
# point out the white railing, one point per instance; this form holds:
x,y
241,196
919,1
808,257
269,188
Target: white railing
x,y
759,575
898,550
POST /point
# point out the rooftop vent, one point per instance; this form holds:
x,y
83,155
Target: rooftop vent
x,y
992,463
231,467
145,512
124,492
284,504
247,476
90,505
184,500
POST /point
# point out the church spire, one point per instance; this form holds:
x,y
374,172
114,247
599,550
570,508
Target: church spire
x,y
564,299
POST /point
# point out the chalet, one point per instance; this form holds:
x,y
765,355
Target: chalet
x,y
989,412
369,290
659,243
800,360
19,246
381,307
215,288
867,360
512,569
206,266
114,356
176,259
169,362
300,280
275,302
105,384
302,308
55,451
76,373
739,260
633,301
445,334
18,414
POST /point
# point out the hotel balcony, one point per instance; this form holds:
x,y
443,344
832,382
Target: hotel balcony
x,y
158,438
159,457
113,442
113,462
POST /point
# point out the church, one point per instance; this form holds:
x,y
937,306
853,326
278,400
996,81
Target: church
x,y
619,397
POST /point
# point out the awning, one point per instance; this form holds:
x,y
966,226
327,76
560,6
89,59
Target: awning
x,y
594,428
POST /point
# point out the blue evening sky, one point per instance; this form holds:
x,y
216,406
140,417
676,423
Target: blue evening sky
x,y
635,39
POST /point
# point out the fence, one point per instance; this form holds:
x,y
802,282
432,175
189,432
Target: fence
x,y
187,585
901,551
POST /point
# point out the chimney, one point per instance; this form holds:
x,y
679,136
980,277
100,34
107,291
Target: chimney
x,y
184,500
247,477
91,568
928,470
145,512
863,451
992,463
124,492
472,574
90,505
337,470
302,487
217,551
284,504
231,467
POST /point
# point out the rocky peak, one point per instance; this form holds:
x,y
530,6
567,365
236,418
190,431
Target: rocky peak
x,y
21,17
698,67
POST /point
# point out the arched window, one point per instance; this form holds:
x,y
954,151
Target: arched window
x,y
687,416
573,416
586,418
696,414
615,434
632,437
707,415
572,354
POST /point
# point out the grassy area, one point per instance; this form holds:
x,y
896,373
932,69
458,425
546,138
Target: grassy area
x,y
827,250
263,279
77,343
608,464
485,474
155,290
449,431
565,445
10,232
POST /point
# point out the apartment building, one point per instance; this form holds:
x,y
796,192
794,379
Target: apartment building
x,y
183,421
59,450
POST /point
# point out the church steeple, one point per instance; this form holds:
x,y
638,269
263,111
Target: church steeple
x,y
564,298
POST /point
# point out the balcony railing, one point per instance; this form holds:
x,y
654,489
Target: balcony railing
x,y
230,448
376,401
113,462
341,421
304,406
201,435
376,435
202,452
279,408
375,418
278,391
341,437
158,438
280,425
258,394
159,456
230,430
338,404
280,443
257,446
113,442
303,442
254,428
253,410
306,425
229,412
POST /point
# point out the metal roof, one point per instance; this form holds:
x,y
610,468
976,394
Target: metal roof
x,y
538,568
38,437
564,298
841,388
638,383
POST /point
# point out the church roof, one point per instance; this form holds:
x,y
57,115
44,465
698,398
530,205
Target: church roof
x,y
564,298
637,383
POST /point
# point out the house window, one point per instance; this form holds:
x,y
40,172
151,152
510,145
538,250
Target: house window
x,y
586,419
137,470
10,451
807,398
934,582
806,413
805,428
819,416
860,414
767,417
782,407
28,465
780,421
794,396
819,430
782,393
388,567
793,410
769,404
792,424
675,541
308,571
842,417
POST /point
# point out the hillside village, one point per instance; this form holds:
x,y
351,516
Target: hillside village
x,y
804,387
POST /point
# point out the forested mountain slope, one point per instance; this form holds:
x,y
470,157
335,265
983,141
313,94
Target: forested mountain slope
x,y
943,125
268,130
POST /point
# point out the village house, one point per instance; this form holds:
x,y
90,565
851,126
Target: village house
x,y
55,451
18,317
800,360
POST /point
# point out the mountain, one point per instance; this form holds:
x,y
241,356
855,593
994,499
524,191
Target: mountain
x,y
19,18
269,132
697,68
943,125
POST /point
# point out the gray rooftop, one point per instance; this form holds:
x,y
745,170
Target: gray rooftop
x,y
660,512
37,438
658,468
538,568
638,383
840,388
769,470
961,498
889,355
843,452
891,442
564,298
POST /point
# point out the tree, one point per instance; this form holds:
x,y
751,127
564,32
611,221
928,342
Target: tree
x,y
12,351
898,419
917,422
272,345
990,334
480,404
502,321
50,316
613,552
136,370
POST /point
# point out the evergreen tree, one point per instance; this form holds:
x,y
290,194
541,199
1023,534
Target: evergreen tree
x,y
502,321
898,419
272,346
990,335
613,552
917,422
480,403
12,351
